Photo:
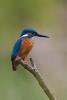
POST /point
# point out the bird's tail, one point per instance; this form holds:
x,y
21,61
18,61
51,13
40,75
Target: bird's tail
x,y
13,63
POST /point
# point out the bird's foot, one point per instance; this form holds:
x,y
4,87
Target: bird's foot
x,y
25,62
19,59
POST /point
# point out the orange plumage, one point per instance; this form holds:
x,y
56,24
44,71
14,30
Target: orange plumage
x,y
25,48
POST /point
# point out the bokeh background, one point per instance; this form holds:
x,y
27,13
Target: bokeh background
x,y
48,17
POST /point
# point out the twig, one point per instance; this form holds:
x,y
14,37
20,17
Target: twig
x,y
40,80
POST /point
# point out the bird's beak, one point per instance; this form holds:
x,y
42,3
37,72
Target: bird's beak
x,y
42,36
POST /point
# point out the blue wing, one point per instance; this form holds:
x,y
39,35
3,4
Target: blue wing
x,y
16,47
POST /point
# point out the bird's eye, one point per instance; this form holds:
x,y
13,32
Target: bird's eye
x,y
34,33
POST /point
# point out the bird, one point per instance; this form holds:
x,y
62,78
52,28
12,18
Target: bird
x,y
23,46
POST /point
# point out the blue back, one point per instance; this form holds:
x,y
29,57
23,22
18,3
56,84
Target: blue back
x,y
17,46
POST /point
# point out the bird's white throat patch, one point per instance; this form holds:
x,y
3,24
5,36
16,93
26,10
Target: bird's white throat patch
x,y
24,35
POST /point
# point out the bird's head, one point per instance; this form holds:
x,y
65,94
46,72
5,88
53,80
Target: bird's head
x,y
31,33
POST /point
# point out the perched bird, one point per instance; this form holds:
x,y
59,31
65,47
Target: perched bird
x,y
23,46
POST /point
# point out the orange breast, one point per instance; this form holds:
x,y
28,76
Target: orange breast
x,y
25,48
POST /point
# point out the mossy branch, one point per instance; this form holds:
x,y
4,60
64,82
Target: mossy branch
x,y
40,80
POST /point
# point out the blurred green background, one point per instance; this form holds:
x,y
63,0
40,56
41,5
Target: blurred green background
x,y
48,16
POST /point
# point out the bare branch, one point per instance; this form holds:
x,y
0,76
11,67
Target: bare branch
x,y
40,80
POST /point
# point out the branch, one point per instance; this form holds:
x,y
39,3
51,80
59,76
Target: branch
x,y
40,80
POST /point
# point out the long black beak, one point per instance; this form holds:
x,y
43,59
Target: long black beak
x,y
42,36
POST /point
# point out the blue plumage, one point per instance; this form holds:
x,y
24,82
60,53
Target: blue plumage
x,y
17,46
18,42
27,30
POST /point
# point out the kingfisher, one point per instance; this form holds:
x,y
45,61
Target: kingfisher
x,y
23,46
